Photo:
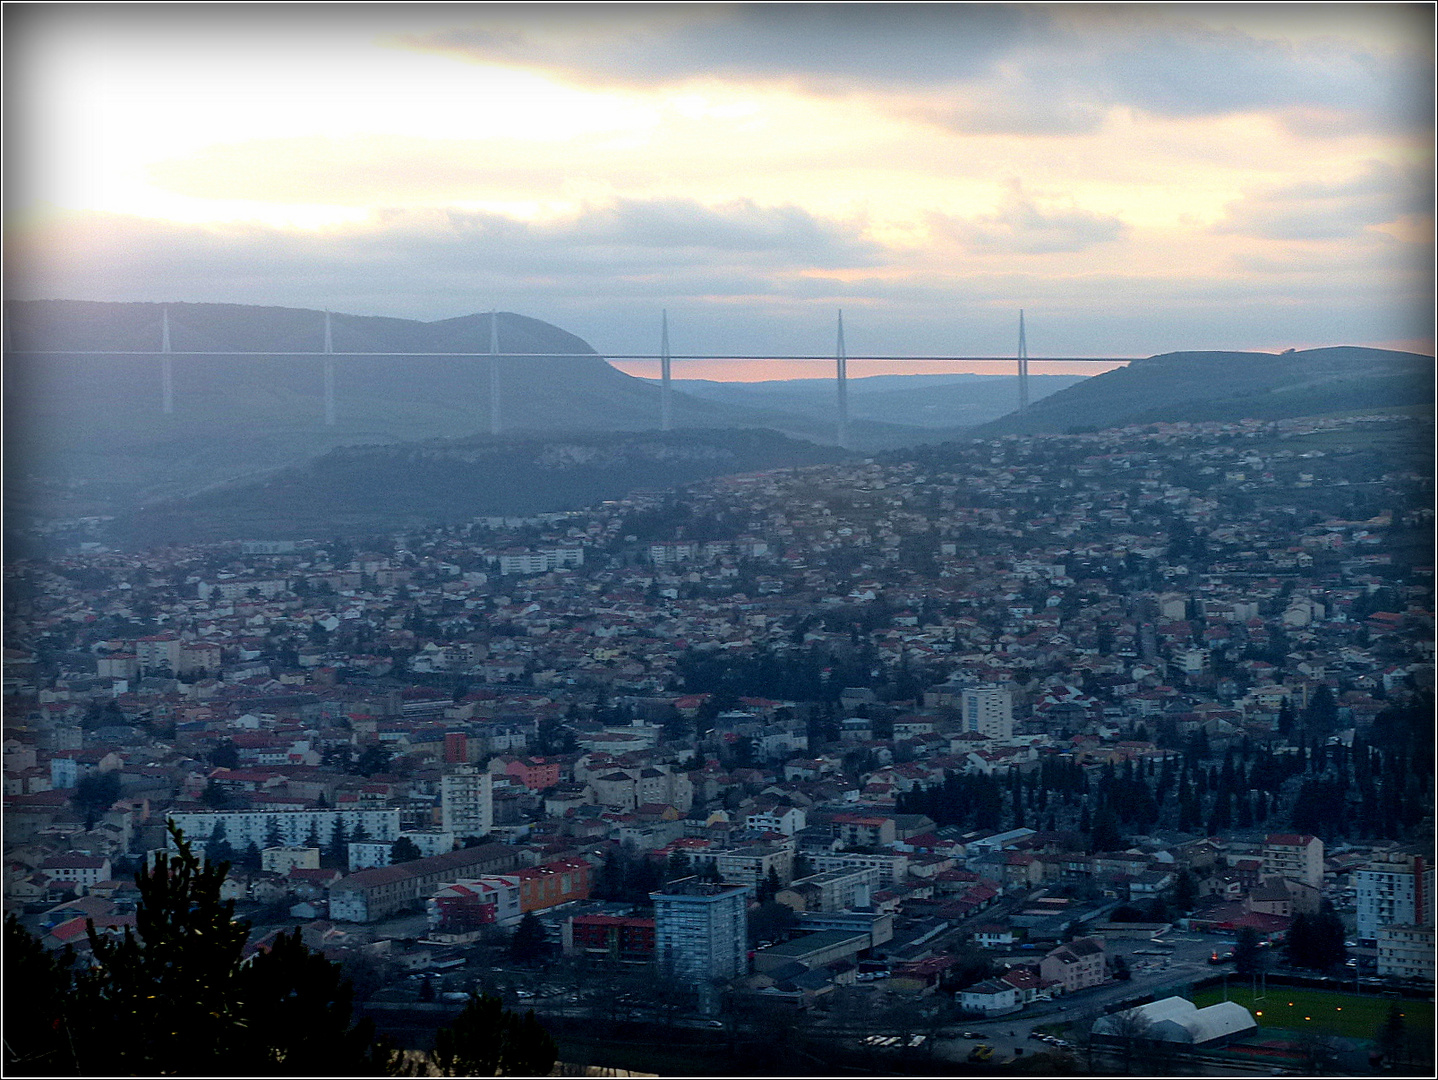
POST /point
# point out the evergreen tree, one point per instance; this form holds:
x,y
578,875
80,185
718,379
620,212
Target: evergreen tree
x,y
404,850
171,995
1316,940
528,942
219,849
1105,835
38,1037
338,849
251,859
1392,1036
1247,954
488,1040
273,836
94,794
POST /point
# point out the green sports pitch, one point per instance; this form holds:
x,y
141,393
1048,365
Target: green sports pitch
x,y
1357,1016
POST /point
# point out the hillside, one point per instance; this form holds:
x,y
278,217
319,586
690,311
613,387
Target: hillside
x,y
363,489
1226,386
86,435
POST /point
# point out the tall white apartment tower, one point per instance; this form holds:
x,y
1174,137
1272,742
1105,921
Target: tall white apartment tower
x,y
1394,890
989,710
467,801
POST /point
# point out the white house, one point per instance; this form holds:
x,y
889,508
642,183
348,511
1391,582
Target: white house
x,y
992,997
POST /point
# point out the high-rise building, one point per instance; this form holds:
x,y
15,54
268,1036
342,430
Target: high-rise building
x,y
1394,890
702,930
989,710
467,801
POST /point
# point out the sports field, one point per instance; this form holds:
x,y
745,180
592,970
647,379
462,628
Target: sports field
x,y
1355,1015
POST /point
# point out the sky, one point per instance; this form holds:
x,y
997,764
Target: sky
x,y
1137,178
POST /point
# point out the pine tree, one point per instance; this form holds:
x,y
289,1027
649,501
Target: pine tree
x,y
528,942
338,850
404,850
171,996
488,1040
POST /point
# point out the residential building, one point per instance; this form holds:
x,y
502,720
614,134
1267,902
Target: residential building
x,y
989,710
74,867
614,937
374,894
992,997
1406,952
1076,965
467,801
295,828
832,890
1396,889
701,930
1295,857
281,860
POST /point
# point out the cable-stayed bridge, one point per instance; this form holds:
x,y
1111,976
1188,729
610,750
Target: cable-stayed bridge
x,y
494,357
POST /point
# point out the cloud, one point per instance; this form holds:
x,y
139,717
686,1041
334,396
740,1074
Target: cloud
x,y
825,45
1332,210
436,260
1020,227
980,68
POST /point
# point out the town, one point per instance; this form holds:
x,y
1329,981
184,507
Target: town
x,y
990,750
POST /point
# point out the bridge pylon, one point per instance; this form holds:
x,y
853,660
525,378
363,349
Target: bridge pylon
x,y
841,384
494,373
167,365
666,414
329,373
1023,365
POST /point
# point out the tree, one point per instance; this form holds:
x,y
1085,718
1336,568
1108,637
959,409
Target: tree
x,y
338,850
95,794
1185,891
489,1040
1129,1028
529,942
769,886
375,758
1248,955
171,996
38,1041
225,755
219,849
404,850
1392,1036
252,858
1316,940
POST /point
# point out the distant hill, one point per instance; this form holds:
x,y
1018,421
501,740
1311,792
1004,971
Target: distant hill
x,y
87,434
1226,386
929,401
364,489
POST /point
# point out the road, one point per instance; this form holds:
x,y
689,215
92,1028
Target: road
x,y
1158,976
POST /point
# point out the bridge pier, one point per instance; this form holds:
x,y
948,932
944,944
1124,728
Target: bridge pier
x,y
494,373
167,365
666,416
841,372
329,374
1023,365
